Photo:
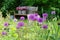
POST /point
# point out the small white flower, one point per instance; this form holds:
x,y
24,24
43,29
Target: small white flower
x,y
15,20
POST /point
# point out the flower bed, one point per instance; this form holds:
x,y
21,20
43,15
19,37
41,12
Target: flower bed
x,y
34,28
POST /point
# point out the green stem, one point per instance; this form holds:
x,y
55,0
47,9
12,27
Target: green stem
x,y
18,34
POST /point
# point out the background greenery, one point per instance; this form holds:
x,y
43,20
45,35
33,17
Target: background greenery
x,y
46,5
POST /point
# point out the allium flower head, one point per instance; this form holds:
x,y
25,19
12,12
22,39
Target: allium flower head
x,y
45,15
44,19
36,14
53,12
20,24
31,17
4,33
22,18
40,20
45,26
6,24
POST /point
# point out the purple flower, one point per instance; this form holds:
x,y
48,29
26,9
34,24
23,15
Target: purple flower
x,y
36,14
53,12
6,24
20,24
40,20
17,27
45,15
31,17
22,18
4,33
44,19
44,26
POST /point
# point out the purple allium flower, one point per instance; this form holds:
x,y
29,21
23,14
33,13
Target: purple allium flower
x,y
4,33
45,15
20,24
6,24
22,18
31,17
44,19
40,20
45,26
36,14
53,12
17,27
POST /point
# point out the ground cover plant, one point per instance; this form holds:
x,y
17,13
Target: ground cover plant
x,y
32,28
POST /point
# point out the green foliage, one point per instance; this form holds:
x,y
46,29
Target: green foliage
x,y
45,4
32,32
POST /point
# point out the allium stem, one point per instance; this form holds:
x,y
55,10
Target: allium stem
x,y
30,22
18,34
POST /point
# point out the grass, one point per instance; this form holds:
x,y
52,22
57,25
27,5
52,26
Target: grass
x,y
30,32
